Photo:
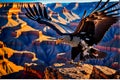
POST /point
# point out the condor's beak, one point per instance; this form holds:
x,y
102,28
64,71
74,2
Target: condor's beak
x,y
59,41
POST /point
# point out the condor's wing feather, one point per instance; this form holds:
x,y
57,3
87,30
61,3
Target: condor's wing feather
x,y
102,17
102,26
37,13
105,17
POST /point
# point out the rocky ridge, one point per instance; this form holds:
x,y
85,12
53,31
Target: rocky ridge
x,y
85,71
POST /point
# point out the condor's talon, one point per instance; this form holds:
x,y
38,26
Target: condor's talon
x,y
71,62
79,63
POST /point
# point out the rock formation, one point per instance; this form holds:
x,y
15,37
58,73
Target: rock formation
x,y
85,71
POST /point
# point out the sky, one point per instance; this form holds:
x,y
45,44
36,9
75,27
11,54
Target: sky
x,y
51,1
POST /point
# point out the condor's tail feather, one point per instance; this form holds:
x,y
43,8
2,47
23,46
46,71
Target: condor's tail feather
x,y
95,54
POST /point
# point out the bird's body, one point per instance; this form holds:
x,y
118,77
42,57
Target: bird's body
x,y
89,31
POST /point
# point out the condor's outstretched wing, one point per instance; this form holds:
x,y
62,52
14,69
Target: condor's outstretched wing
x,y
102,17
39,13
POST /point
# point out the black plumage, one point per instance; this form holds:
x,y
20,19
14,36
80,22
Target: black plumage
x,y
90,29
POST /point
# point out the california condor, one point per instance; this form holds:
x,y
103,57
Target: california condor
x,y
89,31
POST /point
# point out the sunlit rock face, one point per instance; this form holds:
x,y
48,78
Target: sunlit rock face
x,y
86,71
13,62
8,67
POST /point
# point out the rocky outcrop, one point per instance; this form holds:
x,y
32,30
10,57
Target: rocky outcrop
x,y
85,71
33,71
8,67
